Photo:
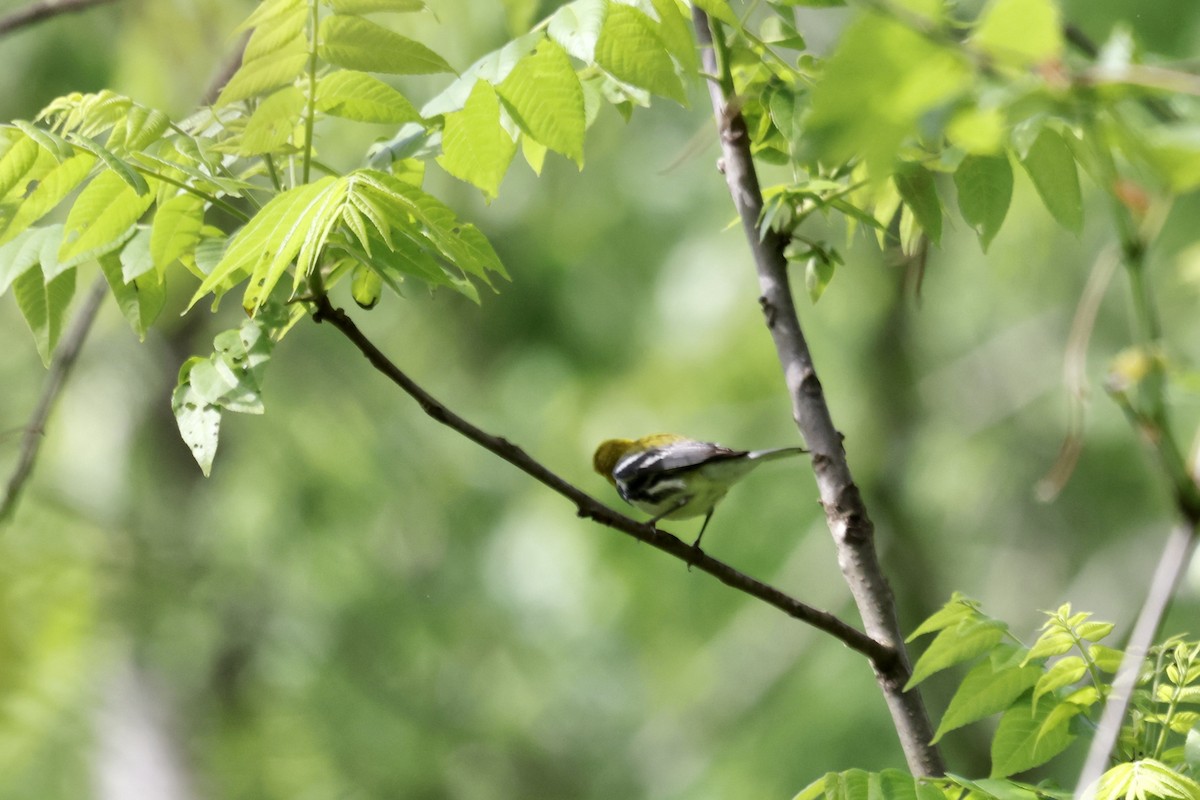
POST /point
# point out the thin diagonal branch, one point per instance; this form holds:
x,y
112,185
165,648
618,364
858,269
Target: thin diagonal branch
x,y
45,9
845,511
1176,554
880,655
60,367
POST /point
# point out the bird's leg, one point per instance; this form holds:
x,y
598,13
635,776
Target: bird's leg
x,y
707,517
680,503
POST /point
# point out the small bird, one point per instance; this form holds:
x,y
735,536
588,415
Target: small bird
x,y
673,477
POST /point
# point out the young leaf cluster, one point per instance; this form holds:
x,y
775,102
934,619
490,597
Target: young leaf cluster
x,y
1045,695
955,101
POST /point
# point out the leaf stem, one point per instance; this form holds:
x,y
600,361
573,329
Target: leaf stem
x,y
311,111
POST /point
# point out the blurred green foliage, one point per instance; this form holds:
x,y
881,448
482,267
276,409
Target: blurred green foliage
x,y
359,604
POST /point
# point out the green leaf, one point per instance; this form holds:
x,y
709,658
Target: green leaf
x,y
1107,659
230,379
917,188
1051,166
51,190
493,68
475,147
984,185
372,6
675,30
16,163
869,112
199,422
955,645
140,300
818,272
120,168
135,256
273,122
719,9
275,68
576,26
363,98
1020,33
1021,743
1065,672
271,238
366,286
957,609
1145,778
26,251
52,143
43,305
175,229
630,50
989,688
544,97
102,216
357,43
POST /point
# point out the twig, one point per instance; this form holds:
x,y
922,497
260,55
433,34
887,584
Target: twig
x,y
60,367
1176,554
232,64
851,526
881,655
36,12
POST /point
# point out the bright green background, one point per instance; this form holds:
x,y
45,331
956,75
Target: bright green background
x,y
359,604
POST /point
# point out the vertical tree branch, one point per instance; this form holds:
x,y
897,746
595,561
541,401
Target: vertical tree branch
x,y
845,511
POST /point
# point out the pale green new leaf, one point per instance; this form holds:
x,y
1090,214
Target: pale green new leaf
x,y
957,609
1020,33
26,251
869,113
366,287
51,190
1051,166
140,300
281,32
544,97
917,188
475,147
363,98
576,26
52,143
199,422
119,168
143,127
493,68
630,50
1143,779
268,240
988,688
102,216
269,71
675,30
1065,672
16,164
135,255
175,229
357,43
955,645
1021,743
984,185
272,123
372,6
44,305
271,13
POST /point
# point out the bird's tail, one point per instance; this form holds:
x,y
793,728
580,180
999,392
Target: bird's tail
x,y
774,453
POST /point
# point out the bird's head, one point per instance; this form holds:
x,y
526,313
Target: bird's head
x,y
611,451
